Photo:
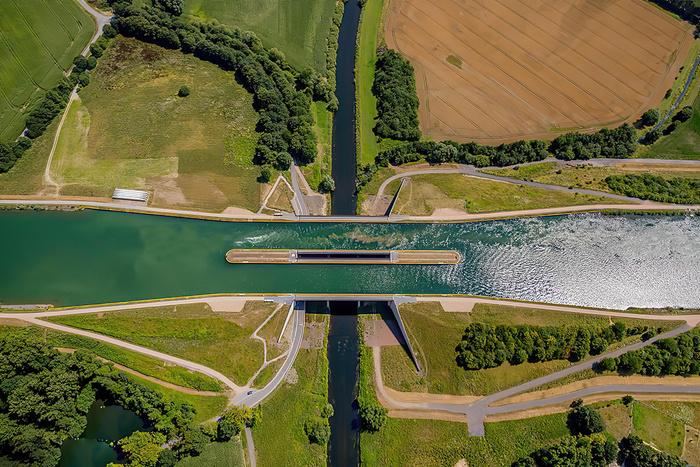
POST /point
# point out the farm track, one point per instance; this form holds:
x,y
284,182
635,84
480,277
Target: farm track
x,y
533,68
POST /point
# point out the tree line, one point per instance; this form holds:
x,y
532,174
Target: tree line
x,y
281,95
394,87
620,142
671,356
656,188
485,346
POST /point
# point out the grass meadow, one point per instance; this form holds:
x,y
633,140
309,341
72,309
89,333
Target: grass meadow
x,y
426,193
129,129
299,28
592,178
683,143
194,332
366,56
280,438
435,334
228,454
38,41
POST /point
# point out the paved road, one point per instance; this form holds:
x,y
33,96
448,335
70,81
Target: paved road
x,y
300,207
242,398
251,447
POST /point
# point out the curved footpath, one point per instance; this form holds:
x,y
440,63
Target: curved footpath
x,y
479,409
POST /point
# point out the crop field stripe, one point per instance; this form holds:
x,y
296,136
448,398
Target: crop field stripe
x,y
590,62
606,28
58,19
33,32
626,57
650,21
585,69
468,102
610,64
491,53
571,77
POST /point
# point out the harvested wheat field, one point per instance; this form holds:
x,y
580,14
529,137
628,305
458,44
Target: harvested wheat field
x,y
500,70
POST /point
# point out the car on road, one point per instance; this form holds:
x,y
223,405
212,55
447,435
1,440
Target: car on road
x,y
250,392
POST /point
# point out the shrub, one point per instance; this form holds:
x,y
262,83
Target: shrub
x,y
584,420
318,430
265,175
80,63
650,117
84,79
684,114
627,400
372,416
184,91
91,63
327,184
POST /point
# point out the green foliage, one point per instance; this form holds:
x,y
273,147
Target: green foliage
x,y
684,114
11,152
651,137
650,117
318,430
573,451
265,175
84,79
627,400
233,421
193,441
585,420
485,346
44,396
166,458
656,188
397,102
184,91
80,63
636,453
327,184
620,142
671,356
327,410
372,416
143,448
171,6
109,32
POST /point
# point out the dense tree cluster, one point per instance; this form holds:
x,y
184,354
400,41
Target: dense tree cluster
x,y
11,152
485,346
656,188
285,118
620,142
397,102
332,52
686,9
635,452
573,451
671,356
584,420
45,396
171,6
234,420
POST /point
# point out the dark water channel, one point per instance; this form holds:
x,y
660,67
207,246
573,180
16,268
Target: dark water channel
x,y
104,424
344,200
343,449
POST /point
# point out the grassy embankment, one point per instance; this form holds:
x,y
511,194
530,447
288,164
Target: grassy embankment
x,y
193,332
435,334
280,438
299,28
426,193
324,133
684,142
130,129
207,406
38,43
593,178
228,454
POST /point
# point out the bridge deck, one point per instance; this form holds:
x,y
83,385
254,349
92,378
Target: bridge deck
x,y
342,256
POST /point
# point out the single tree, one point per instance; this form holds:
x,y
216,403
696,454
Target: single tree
x,y
184,91
650,117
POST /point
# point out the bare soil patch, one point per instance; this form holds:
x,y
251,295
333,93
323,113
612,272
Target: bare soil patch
x,y
533,69
381,332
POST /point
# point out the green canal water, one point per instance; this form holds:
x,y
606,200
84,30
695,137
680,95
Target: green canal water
x,y
71,258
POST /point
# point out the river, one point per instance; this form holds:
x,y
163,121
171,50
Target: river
x,y
72,258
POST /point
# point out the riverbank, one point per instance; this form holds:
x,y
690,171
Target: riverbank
x,y
235,215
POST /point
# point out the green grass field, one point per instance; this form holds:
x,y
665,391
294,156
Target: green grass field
x,y
299,28
193,332
27,176
658,429
323,128
683,143
364,76
408,442
130,130
426,193
38,41
591,178
435,333
229,454
280,438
